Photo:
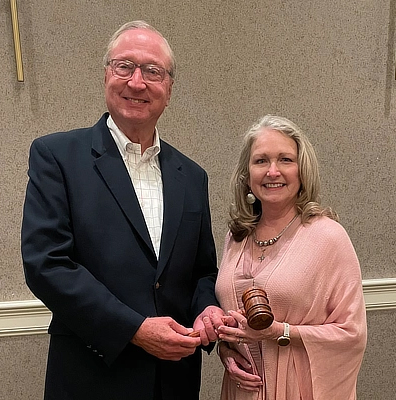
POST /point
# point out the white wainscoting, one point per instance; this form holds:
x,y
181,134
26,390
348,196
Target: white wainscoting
x,y
31,317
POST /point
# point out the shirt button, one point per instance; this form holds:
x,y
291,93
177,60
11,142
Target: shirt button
x,y
157,285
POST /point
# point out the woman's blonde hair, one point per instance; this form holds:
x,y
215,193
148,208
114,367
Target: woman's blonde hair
x,y
244,216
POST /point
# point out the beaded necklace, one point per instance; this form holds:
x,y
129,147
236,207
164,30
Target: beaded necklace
x,y
265,243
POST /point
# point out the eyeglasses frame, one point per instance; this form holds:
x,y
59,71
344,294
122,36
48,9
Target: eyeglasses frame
x,y
136,65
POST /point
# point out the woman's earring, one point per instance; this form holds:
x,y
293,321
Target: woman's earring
x,y
250,198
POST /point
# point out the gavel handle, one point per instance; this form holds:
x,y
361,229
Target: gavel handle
x,y
193,334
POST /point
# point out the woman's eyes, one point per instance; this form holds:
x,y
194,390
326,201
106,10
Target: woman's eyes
x,y
282,160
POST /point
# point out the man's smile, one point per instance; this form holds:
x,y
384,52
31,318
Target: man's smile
x,y
135,100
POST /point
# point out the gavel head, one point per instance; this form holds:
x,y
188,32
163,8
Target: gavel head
x,y
257,309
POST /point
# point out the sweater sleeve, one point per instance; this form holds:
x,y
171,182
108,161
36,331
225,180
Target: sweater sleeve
x,y
335,342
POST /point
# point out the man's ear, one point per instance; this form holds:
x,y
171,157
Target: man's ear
x,y
169,92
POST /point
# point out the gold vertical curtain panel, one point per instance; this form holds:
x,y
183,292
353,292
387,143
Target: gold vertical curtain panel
x,y
17,40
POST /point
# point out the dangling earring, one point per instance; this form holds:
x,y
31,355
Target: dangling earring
x,y
250,198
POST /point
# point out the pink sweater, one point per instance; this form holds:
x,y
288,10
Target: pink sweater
x,y
313,281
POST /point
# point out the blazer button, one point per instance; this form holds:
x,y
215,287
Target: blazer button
x,y
157,285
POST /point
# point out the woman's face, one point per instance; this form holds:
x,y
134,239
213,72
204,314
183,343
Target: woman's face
x,y
273,169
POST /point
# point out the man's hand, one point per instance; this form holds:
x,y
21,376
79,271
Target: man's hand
x,y
205,324
164,338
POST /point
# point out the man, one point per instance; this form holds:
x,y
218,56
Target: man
x,y
117,241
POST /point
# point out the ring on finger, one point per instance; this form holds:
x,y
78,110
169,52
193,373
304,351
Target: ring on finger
x,y
238,385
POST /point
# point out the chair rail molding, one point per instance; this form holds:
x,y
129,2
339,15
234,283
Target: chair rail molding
x,y
31,317
380,294
26,317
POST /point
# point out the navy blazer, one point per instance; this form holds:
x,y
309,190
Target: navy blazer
x,y
88,256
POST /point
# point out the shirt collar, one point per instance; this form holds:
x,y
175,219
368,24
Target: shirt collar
x,y
122,142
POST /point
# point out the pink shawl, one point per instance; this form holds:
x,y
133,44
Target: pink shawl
x,y
313,281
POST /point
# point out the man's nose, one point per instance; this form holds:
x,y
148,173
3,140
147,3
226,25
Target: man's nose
x,y
137,78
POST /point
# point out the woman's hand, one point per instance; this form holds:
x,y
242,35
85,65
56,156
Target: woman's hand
x,y
239,369
244,334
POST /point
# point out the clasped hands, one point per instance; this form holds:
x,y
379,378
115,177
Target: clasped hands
x,y
166,339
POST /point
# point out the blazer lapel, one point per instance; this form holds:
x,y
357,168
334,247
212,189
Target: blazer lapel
x,y
112,168
174,182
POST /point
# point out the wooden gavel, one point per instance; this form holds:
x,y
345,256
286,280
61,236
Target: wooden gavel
x,y
257,309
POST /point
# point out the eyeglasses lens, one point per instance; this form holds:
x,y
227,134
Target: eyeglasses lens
x,y
126,69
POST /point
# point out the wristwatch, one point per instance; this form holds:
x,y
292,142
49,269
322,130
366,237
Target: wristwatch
x,y
284,340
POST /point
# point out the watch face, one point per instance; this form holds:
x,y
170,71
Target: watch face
x,y
283,341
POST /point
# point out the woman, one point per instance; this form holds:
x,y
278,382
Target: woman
x,y
283,241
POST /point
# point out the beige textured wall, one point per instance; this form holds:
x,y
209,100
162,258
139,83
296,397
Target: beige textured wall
x,y
329,66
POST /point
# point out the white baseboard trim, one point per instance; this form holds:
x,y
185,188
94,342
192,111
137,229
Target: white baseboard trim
x,y
31,317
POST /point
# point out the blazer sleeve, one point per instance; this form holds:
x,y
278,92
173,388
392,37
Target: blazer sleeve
x,y
78,300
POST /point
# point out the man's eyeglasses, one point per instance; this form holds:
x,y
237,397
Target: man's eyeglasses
x,y
124,69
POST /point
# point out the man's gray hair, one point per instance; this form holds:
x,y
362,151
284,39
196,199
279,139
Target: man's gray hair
x,y
139,25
